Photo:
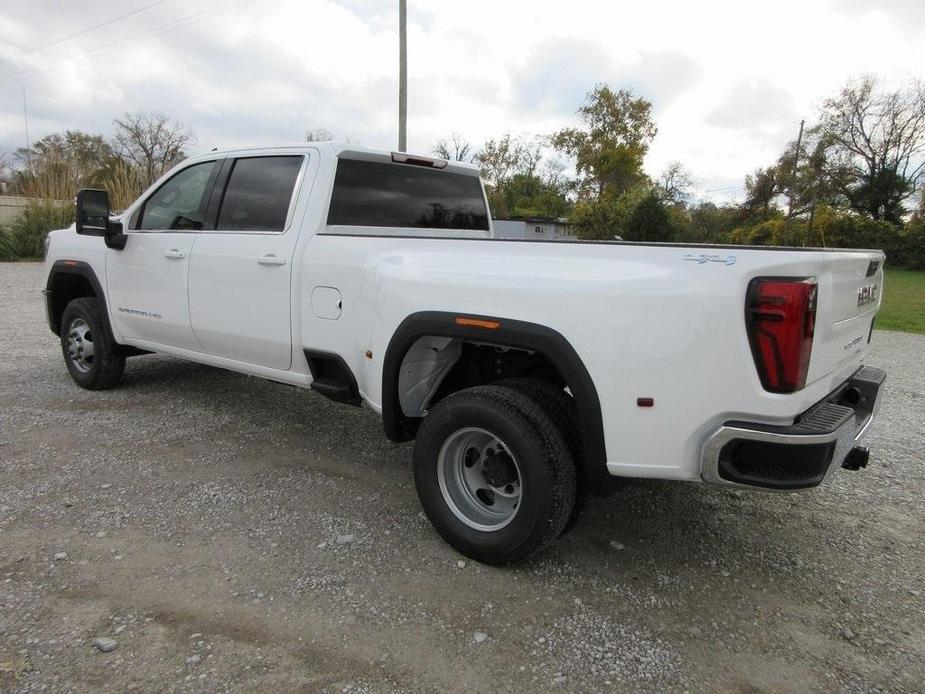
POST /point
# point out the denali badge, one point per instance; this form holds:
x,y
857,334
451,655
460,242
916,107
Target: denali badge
x,y
867,294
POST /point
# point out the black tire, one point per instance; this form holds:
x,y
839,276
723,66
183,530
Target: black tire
x,y
82,323
560,406
544,465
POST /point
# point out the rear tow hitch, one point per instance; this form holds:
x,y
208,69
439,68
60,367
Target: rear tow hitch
x,y
857,458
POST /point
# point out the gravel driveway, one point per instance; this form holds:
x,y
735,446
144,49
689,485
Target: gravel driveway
x,y
228,533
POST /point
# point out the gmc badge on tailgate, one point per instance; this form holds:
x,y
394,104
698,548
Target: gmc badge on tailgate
x,y
867,294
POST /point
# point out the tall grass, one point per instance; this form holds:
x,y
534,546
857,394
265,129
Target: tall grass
x,y
50,207
28,231
124,183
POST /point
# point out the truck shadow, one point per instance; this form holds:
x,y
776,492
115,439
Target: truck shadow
x,y
651,523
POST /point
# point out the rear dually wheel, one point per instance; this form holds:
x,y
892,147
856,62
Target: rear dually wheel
x,y
494,474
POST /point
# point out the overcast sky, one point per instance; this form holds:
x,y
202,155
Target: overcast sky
x,y
729,81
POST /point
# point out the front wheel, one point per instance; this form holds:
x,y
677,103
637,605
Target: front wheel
x,y
493,473
91,357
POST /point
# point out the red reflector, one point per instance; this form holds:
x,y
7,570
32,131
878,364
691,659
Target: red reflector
x,y
781,318
645,402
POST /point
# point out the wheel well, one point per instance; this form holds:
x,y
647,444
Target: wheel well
x,y
64,287
435,367
433,354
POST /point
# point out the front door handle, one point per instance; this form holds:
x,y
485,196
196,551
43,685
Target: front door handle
x,y
270,259
175,254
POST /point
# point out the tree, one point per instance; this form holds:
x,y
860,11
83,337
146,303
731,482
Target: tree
x,y
152,142
649,221
318,135
453,149
531,154
520,181
874,142
761,189
61,163
609,149
712,224
675,183
498,159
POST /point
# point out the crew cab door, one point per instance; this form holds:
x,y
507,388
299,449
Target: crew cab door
x,y
147,281
241,272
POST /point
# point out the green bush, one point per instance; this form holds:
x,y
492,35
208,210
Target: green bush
x,y
772,232
649,221
904,246
25,237
909,251
600,219
7,244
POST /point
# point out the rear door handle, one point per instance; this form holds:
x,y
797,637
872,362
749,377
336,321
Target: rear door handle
x,y
175,254
270,259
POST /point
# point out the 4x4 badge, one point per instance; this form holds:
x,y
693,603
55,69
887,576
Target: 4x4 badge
x,y
703,258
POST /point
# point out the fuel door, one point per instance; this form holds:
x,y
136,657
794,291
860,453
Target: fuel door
x,y
326,302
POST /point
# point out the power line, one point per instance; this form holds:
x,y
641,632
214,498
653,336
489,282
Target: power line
x,y
25,117
721,190
68,37
126,42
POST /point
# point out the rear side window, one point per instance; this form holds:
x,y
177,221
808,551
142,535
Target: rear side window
x,y
392,195
258,194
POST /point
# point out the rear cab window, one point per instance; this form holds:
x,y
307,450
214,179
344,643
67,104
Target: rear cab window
x,y
381,194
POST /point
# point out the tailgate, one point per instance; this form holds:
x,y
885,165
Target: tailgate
x,y
850,287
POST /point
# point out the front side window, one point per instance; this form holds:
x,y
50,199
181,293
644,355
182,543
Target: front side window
x,y
258,194
380,194
179,203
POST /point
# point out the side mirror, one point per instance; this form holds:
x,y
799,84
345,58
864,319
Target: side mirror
x,y
93,218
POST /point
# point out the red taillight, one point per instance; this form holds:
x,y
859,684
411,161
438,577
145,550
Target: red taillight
x,y
781,317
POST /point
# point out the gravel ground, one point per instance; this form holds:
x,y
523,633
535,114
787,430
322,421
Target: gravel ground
x,y
227,533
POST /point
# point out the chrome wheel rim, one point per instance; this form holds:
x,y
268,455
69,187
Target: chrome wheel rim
x,y
479,479
80,345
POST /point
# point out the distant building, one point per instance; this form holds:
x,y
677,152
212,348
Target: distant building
x,y
534,229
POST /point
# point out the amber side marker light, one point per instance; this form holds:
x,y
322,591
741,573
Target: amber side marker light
x,y
70,262
478,323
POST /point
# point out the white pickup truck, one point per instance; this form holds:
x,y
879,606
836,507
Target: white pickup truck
x,y
530,373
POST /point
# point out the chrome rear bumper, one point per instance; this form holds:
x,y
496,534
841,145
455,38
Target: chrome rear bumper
x,y
803,454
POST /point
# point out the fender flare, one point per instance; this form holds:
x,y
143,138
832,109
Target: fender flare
x,y
508,333
81,269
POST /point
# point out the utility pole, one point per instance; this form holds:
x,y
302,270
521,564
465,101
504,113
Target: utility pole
x,y
793,170
25,115
402,75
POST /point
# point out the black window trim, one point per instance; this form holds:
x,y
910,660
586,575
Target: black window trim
x,y
138,212
213,209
